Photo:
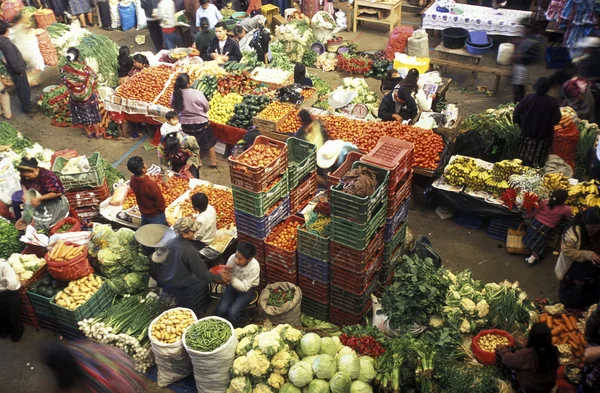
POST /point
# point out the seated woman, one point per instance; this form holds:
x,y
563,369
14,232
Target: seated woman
x,y
44,193
311,130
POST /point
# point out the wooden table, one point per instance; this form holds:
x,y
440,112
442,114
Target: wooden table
x,y
457,54
393,7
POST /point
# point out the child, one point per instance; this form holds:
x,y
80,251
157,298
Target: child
x,y
149,197
207,218
11,323
546,217
245,277
139,63
125,63
171,125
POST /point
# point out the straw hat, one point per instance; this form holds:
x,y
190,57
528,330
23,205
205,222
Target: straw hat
x,y
154,235
328,154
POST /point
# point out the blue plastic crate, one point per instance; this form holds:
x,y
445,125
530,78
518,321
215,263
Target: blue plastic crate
x,y
313,268
259,228
392,224
473,222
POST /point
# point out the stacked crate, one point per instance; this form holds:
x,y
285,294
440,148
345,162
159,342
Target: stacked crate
x,y
356,248
260,199
397,157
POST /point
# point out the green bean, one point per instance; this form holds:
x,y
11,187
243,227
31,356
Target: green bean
x,y
207,335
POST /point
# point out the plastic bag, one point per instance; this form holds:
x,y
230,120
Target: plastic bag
x,y
423,249
397,41
127,14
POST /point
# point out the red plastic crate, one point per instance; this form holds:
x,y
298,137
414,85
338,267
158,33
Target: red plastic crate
x,y
392,154
253,178
276,273
341,317
351,158
301,195
88,196
400,195
357,282
278,255
259,244
354,260
314,289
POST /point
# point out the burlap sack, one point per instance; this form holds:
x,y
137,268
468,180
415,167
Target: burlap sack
x,y
289,312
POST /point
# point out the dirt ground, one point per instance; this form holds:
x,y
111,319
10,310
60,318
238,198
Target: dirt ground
x,y
460,248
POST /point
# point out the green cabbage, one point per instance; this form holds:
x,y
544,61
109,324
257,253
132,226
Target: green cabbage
x,y
360,387
340,383
324,366
318,386
310,344
289,388
350,365
367,371
328,346
301,374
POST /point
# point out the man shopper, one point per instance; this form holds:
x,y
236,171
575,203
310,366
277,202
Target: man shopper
x,y
13,59
222,48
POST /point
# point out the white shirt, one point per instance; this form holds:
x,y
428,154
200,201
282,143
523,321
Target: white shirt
x,y
243,278
167,128
208,225
166,12
8,278
211,13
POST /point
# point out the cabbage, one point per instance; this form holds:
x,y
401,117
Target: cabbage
x,y
368,359
289,388
328,346
324,366
367,371
350,365
338,343
310,344
360,387
340,383
309,359
318,386
301,374
345,351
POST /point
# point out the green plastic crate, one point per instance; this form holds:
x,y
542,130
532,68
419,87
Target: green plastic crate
x,y
357,209
357,236
302,160
99,301
41,305
258,203
93,178
390,248
313,245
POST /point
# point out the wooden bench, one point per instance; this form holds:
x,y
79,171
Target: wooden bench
x,y
498,71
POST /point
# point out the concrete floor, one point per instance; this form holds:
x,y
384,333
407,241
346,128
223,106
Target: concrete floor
x,y
459,247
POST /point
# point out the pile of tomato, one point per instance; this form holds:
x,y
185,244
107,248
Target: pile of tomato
x,y
259,155
285,236
147,84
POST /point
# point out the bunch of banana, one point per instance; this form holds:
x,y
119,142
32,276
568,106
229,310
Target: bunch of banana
x,y
477,178
556,181
495,187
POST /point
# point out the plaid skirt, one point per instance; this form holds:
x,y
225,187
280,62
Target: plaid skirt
x,y
537,236
85,112
204,135
533,151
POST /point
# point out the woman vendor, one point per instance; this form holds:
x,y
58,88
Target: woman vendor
x,y
180,153
398,105
577,266
43,193
311,130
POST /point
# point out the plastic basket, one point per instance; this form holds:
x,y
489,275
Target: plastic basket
x,y
95,177
394,155
349,301
341,317
313,268
335,177
278,255
261,227
355,260
257,243
92,307
253,178
313,245
276,273
400,196
356,236
473,222
88,197
258,203
357,282
302,195
314,289
315,309
357,209
392,224
396,241
302,160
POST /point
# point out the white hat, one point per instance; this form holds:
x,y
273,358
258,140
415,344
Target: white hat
x,y
328,154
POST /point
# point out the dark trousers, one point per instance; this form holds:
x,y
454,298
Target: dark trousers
x,y
233,302
156,34
104,9
23,91
11,323
519,91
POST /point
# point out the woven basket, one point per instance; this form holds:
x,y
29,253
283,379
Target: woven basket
x,y
514,241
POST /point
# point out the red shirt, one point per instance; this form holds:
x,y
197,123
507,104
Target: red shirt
x,y
149,198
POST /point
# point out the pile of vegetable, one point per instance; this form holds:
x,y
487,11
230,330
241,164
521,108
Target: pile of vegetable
x,y
9,237
25,265
278,297
207,335
222,107
170,327
78,292
47,287
125,325
250,106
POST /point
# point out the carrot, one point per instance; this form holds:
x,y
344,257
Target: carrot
x,y
567,322
556,331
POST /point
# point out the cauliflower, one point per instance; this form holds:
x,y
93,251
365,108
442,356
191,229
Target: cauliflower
x,y
262,388
240,385
258,363
244,345
269,342
436,322
276,381
281,361
468,305
292,335
483,309
240,366
465,326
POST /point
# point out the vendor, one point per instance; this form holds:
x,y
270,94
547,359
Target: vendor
x,y
311,130
398,105
192,106
300,75
222,48
180,153
46,191
184,274
206,218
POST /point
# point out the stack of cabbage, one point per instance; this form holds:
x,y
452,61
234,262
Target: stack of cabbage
x,y
283,360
